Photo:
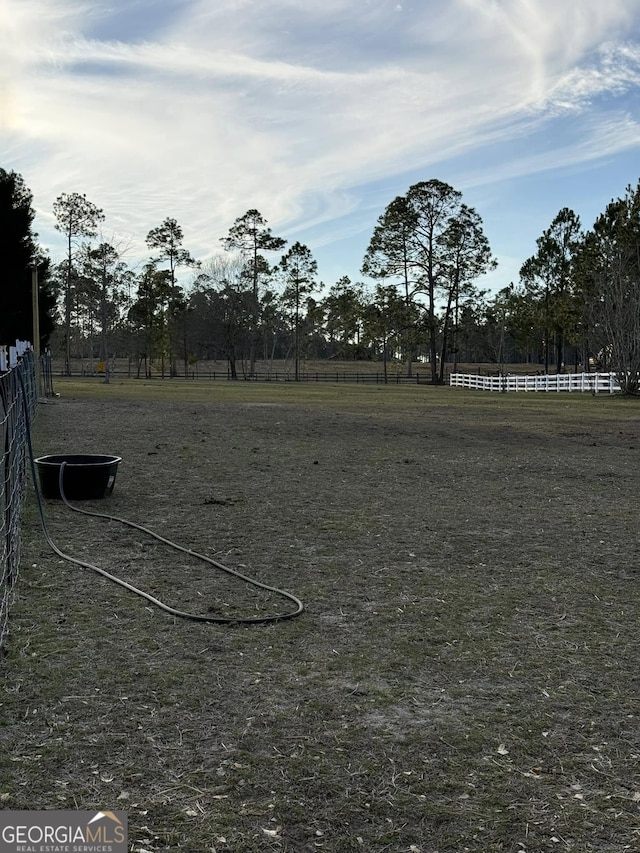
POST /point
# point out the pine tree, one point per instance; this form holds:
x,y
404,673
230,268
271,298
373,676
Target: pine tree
x,y
20,253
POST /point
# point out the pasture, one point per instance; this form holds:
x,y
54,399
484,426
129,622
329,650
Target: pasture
x,y
464,676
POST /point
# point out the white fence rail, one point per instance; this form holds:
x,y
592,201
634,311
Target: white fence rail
x,y
592,383
9,355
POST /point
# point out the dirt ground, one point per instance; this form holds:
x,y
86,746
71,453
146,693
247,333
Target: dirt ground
x,y
464,676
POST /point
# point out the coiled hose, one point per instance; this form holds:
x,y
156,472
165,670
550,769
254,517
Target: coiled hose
x,y
194,617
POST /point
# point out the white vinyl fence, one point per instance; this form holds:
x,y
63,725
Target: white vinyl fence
x,y
9,355
592,383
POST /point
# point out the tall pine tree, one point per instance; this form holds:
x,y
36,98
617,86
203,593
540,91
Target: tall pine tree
x,y
20,253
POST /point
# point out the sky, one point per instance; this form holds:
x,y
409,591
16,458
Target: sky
x,y
318,113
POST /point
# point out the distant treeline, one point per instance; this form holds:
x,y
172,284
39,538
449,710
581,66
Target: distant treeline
x,y
577,301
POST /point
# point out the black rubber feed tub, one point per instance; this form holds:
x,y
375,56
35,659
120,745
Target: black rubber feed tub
x,y
86,476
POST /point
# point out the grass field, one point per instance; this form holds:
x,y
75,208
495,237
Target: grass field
x,y
464,676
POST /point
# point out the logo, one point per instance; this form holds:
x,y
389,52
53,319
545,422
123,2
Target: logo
x,y
63,832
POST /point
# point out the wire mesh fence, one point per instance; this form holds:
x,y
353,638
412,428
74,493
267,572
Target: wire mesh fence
x,y
18,401
46,374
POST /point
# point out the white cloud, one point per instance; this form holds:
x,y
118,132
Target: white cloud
x,y
614,70
294,106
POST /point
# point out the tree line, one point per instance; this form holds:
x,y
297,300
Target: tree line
x,y
576,304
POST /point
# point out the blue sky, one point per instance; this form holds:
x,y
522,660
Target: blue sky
x,y
318,113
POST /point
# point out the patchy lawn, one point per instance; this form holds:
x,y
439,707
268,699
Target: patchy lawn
x,y
464,676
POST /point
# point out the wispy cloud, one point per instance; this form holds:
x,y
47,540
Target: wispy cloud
x,y
614,70
201,110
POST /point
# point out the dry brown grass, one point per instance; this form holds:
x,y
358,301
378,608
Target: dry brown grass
x,y
465,676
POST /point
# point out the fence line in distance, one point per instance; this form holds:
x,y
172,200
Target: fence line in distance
x,y
592,383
